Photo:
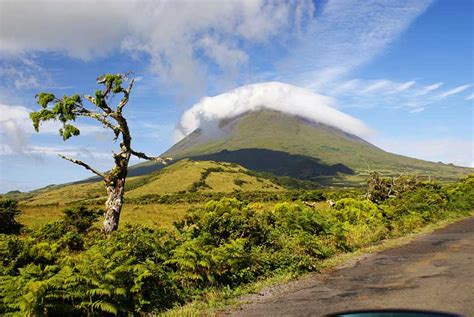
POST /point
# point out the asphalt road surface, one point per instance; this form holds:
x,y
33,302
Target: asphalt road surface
x,y
433,272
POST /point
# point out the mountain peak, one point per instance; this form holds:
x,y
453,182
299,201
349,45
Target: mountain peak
x,y
257,139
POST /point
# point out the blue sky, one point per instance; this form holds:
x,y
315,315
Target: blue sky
x,y
403,68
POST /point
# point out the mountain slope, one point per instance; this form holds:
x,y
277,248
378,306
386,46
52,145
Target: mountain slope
x,y
183,176
314,147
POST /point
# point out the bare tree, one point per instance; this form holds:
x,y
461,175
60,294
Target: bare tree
x,y
67,108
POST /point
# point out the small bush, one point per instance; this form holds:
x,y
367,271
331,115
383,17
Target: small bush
x,y
8,211
81,218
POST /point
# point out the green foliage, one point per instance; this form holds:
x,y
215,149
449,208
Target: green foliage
x,y
112,82
81,218
461,194
44,99
288,182
68,231
68,108
68,131
8,211
64,110
70,268
295,217
356,211
120,275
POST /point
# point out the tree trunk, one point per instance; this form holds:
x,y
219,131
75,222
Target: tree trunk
x,y
113,205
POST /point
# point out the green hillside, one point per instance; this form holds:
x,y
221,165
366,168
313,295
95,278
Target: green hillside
x,y
183,176
303,148
186,175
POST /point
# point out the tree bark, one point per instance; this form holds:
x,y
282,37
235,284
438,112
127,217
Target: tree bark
x,y
115,186
113,206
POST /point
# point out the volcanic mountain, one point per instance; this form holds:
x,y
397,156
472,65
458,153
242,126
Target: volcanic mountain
x,y
288,145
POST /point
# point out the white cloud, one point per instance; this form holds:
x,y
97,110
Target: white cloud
x,y
174,34
377,86
427,89
81,29
457,151
470,97
404,86
416,110
16,129
272,95
224,54
453,91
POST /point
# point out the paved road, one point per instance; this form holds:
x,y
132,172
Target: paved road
x,y
433,272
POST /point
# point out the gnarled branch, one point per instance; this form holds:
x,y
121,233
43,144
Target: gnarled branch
x,y
86,166
162,160
126,94
101,118
104,106
91,99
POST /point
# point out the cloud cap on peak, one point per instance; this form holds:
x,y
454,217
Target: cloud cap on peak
x,y
274,96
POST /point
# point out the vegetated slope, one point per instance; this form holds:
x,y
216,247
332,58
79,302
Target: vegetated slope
x,y
304,148
185,175
206,176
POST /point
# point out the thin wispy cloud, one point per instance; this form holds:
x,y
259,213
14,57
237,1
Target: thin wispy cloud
x,y
376,86
346,35
404,86
427,89
412,95
453,91
23,73
470,97
417,110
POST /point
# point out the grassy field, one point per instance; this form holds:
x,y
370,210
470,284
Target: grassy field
x,y
155,215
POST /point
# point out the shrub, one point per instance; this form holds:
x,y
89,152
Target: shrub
x,y
81,218
70,229
355,211
461,195
8,211
428,200
294,217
